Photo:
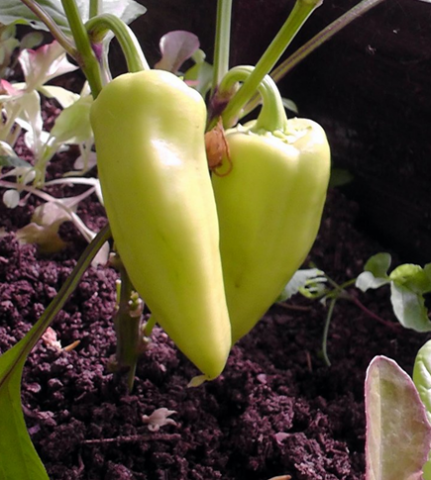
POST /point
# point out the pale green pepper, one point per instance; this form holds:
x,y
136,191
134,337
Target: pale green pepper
x,y
269,204
149,136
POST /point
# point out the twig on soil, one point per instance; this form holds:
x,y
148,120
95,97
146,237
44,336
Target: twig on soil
x,y
289,306
161,437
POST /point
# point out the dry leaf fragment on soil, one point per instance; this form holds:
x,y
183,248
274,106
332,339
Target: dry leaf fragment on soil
x,y
159,418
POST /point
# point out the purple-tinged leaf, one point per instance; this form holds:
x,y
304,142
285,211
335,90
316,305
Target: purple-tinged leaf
x,y
398,435
7,89
176,47
43,64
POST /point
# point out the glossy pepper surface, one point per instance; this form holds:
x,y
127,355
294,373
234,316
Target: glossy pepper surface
x,y
149,135
269,206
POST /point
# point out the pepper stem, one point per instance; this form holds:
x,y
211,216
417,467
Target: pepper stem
x,y
314,43
222,42
128,327
97,27
86,57
272,117
299,14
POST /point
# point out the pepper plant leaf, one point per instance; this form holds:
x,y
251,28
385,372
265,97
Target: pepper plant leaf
x,y
375,272
199,76
409,283
409,308
422,380
398,434
413,277
73,123
10,161
303,281
15,12
19,458
176,47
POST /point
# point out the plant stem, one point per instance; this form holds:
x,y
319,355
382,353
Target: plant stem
x,y
326,331
151,322
323,36
314,43
272,116
371,314
299,14
86,57
222,42
340,292
94,8
99,26
128,327
55,31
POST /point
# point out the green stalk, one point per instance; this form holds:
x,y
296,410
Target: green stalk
x,y
222,42
272,117
323,36
99,26
299,14
314,43
94,8
128,328
55,31
151,322
86,58
326,331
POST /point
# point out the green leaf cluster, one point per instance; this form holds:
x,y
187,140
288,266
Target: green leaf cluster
x,y
409,283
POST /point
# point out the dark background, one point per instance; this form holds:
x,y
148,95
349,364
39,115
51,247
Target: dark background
x,y
368,87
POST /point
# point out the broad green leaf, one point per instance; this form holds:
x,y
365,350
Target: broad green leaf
x,y
414,277
378,264
19,459
398,435
14,11
422,380
375,272
367,280
409,308
73,123
8,161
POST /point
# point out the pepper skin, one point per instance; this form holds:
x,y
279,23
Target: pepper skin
x,y
269,206
149,135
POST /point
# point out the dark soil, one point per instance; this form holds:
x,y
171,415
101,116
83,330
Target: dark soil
x,y
276,410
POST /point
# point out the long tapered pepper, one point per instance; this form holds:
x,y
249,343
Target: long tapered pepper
x,y
269,204
149,135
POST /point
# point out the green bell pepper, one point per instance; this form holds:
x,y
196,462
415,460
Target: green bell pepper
x,y
269,204
149,135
